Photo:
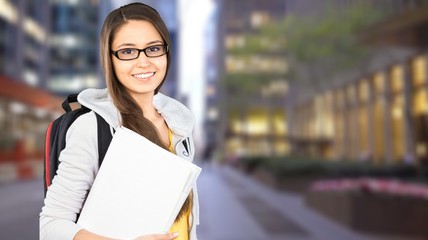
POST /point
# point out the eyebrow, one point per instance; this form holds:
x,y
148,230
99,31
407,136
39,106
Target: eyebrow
x,y
133,45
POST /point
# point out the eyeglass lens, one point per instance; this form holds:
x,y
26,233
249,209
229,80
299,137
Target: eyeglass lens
x,y
133,53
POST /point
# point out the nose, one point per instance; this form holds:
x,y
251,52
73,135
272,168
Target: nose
x,y
143,60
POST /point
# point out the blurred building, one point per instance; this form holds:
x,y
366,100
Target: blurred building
x,y
74,46
251,90
211,91
380,113
25,108
23,35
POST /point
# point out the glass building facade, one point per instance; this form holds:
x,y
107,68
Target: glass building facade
x,y
381,117
252,88
74,46
378,114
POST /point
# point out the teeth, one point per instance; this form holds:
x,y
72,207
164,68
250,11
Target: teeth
x,y
144,75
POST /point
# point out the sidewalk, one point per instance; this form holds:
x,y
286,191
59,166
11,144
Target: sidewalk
x,y
12,171
236,207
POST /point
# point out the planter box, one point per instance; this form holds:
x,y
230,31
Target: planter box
x,y
373,213
296,184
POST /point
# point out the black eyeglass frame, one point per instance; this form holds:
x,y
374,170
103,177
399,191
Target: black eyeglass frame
x,y
115,53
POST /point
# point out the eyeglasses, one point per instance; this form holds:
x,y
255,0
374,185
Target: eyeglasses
x,y
133,53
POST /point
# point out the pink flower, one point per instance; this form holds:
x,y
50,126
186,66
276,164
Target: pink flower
x,y
388,186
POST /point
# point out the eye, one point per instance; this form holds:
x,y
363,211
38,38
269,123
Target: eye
x,y
154,48
128,51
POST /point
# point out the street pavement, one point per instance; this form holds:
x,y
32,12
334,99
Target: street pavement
x,y
233,206
20,205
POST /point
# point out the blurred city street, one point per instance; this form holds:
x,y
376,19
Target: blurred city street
x,y
233,207
314,113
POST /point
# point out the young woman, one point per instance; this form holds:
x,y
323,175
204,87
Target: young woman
x,y
135,57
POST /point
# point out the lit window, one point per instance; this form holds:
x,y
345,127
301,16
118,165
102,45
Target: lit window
x,y
31,77
212,114
280,124
235,148
379,83
397,78
282,147
420,99
419,68
18,108
8,12
259,19
236,125
397,112
34,29
256,63
234,41
65,40
257,123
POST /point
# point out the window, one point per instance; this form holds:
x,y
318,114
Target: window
x,y
419,69
397,79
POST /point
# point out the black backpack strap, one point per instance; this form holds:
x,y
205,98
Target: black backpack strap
x,y
104,137
72,98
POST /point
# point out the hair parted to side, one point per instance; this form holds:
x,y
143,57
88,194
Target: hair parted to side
x,y
132,115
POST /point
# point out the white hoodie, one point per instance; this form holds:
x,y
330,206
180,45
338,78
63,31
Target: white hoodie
x,y
79,161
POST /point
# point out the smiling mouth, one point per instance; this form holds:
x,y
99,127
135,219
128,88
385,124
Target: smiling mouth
x,y
143,75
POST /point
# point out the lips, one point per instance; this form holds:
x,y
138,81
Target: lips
x,y
143,75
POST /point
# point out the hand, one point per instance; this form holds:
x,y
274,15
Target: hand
x,y
167,236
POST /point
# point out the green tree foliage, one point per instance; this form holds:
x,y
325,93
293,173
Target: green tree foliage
x,y
322,46
244,85
317,48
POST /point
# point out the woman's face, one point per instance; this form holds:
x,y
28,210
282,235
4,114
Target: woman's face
x,y
143,75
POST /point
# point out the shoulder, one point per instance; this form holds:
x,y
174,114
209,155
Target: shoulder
x,y
99,101
85,124
82,143
83,132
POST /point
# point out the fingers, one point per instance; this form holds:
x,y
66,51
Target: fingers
x,y
168,236
173,235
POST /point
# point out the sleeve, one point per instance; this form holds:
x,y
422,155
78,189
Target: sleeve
x,y
75,175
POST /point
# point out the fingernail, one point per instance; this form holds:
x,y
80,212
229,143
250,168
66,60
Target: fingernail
x,y
175,234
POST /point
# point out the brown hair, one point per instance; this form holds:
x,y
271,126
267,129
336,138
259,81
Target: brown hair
x,y
132,115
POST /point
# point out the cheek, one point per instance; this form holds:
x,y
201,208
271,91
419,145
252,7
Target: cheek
x,y
161,63
120,66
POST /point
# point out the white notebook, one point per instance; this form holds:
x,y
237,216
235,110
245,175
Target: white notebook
x,y
139,188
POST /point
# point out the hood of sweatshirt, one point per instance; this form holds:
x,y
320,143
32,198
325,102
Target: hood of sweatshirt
x,y
178,117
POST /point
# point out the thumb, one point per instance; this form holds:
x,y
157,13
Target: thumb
x,y
173,235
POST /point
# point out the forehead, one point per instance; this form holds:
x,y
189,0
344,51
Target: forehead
x,y
137,32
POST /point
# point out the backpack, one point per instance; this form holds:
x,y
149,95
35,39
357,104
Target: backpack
x,y
56,133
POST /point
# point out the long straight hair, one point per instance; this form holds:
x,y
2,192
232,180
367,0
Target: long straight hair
x,y
132,115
